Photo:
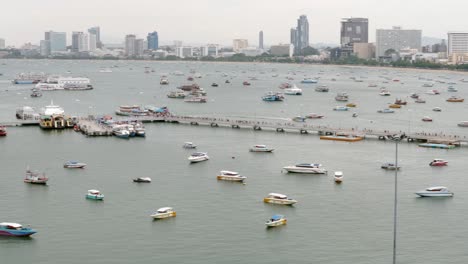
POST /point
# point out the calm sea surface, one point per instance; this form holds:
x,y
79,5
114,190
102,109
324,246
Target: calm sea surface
x,y
222,222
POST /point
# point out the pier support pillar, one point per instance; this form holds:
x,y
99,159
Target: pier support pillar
x,y
303,131
214,125
382,138
279,129
236,126
328,133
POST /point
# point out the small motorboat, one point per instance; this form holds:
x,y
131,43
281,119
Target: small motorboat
x,y
277,198
164,81
340,108
198,157
142,179
386,111
285,86
455,99
426,119
3,131
94,195
261,148
121,133
314,116
273,97
293,91
309,168
400,102
342,97
420,101
394,106
15,230
385,92
227,81
164,212
428,85
276,220
309,81
338,176
437,109
414,95
245,83
230,176
438,163
452,89
195,99
34,178
299,119
463,124
433,92
214,85
355,115
351,105
189,145
389,166
36,93
74,165
439,191
322,89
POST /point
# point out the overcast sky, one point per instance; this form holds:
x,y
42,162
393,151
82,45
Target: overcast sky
x,y
220,21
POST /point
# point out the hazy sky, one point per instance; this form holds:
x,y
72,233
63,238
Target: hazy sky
x,y
220,21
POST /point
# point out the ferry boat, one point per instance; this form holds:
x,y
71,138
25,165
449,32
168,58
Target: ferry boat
x,y
438,191
278,198
195,99
346,138
386,111
94,195
340,108
273,97
198,157
338,177
309,168
261,148
322,89
389,166
164,212
35,178
438,163
189,145
176,94
309,81
15,230
29,78
455,99
342,97
230,176
64,83
293,91
3,131
276,220
463,124
74,165
440,146
142,179
314,116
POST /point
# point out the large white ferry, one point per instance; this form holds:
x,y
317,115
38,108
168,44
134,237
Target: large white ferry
x,y
64,83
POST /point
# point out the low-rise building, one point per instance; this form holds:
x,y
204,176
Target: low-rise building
x,y
282,50
365,51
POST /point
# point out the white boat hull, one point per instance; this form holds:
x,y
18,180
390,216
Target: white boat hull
x,y
279,201
198,159
425,194
276,223
305,170
163,215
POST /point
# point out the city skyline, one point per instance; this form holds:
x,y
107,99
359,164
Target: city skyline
x,y
238,19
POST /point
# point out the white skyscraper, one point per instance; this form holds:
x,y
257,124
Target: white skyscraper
x,y
397,39
457,43
92,42
130,45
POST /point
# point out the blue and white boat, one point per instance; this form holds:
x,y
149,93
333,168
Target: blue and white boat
x,y
273,97
452,89
386,111
341,108
14,229
74,164
309,80
276,220
299,119
94,195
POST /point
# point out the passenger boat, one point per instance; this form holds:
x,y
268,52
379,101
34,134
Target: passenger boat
x,y
438,163
309,168
195,99
293,91
52,109
15,230
437,109
438,191
308,81
389,166
386,111
276,220
460,124
142,179
385,92
261,148
273,97
314,116
230,176
164,81
198,157
400,102
340,108
245,83
94,195
420,101
278,198
426,119
342,97
3,131
455,99
35,178
74,165
433,92
338,176
176,94
164,212
394,106
189,145
346,138
434,145
322,89
299,119
452,89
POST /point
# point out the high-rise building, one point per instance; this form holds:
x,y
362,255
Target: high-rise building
x,y
397,39
353,30
457,42
260,39
92,42
139,47
96,31
239,44
57,41
45,48
209,50
300,35
184,52
130,45
79,41
2,43
153,40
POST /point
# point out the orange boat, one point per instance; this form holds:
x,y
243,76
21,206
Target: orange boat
x,y
455,99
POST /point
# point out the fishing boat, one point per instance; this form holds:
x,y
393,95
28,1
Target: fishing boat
x,y
164,212
309,168
389,166
276,220
142,179
230,176
198,157
460,124
15,230
314,116
338,177
342,97
438,163
94,195
426,119
322,89
34,177
293,91
455,99
309,81
189,145
386,111
176,94
3,131
74,165
261,148
273,97
195,99
278,198
438,191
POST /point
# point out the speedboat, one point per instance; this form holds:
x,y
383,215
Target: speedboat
x,y
420,101
426,119
293,91
308,80
74,165
385,92
299,119
35,178
439,191
277,198
438,163
189,145
164,81
176,94
389,166
306,168
338,176
340,108
164,212
15,229
276,220
463,124
198,157
261,148
455,99
386,111
142,179
322,89
342,97
273,97
314,116
94,195
230,176
452,89
433,92
437,109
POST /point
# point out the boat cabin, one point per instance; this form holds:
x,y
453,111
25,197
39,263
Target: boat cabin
x,y
277,196
164,210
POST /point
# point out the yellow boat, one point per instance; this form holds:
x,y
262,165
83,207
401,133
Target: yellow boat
x,y
394,106
351,105
342,138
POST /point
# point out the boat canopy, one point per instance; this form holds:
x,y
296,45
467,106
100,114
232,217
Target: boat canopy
x,y
12,225
278,195
164,209
435,189
198,154
229,173
308,165
277,217
94,191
